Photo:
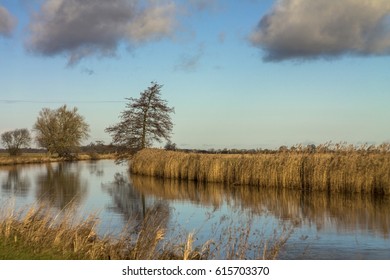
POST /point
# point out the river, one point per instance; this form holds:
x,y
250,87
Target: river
x,y
322,226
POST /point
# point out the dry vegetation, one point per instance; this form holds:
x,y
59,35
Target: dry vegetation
x,y
41,233
28,158
44,234
330,168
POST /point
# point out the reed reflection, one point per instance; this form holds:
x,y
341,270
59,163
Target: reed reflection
x,y
15,184
133,206
344,212
96,168
61,185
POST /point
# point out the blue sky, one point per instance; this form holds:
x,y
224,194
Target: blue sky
x,y
240,74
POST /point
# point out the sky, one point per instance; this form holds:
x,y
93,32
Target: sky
x,y
240,74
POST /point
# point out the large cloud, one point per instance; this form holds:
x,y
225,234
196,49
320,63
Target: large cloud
x,y
7,22
80,28
306,29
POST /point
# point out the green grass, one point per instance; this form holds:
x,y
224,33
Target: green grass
x,y
17,250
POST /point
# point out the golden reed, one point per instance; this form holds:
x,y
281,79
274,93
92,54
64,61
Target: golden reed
x,y
349,172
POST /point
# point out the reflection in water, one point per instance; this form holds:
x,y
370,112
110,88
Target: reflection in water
x,y
198,193
345,212
61,185
125,199
335,226
95,169
15,183
132,205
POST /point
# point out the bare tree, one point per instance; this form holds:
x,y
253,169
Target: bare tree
x,y
15,140
145,120
60,131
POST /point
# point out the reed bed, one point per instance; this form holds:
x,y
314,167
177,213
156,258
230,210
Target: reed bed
x,y
344,171
39,232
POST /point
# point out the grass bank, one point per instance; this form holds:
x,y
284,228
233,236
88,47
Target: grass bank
x,y
343,171
28,158
41,233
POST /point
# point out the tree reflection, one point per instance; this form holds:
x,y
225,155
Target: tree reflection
x,y
131,204
16,183
95,168
125,199
61,185
346,213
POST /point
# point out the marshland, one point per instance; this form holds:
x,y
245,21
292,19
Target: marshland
x,y
328,203
328,168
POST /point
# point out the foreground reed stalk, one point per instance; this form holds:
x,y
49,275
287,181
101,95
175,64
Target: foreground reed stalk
x,y
349,172
41,233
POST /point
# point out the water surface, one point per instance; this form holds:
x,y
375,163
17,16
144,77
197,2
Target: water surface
x,y
324,226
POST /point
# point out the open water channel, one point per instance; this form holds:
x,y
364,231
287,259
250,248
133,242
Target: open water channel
x,y
324,226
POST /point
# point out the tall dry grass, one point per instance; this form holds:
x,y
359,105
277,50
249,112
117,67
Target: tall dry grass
x,y
60,235
337,171
41,233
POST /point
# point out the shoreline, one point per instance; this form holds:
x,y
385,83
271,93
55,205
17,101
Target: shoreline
x,y
6,160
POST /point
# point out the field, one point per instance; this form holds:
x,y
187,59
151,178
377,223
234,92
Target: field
x,y
344,170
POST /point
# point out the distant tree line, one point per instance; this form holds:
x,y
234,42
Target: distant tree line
x,y
329,147
61,131
99,147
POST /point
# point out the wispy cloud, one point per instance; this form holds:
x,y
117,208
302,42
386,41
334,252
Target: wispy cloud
x,y
82,28
87,71
307,29
222,37
190,62
7,22
204,5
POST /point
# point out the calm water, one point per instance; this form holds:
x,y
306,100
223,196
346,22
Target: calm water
x,y
325,226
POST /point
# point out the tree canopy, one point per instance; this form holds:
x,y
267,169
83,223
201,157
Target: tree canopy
x,y
146,119
15,140
60,131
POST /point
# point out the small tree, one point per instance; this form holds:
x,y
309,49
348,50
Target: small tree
x,y
170,146
145,120
60,131
15,140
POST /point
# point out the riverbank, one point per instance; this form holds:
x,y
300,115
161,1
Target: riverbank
x,y
30,158
346,172
40,233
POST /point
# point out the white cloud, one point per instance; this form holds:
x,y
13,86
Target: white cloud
x,y
81,28
307,29
153,23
